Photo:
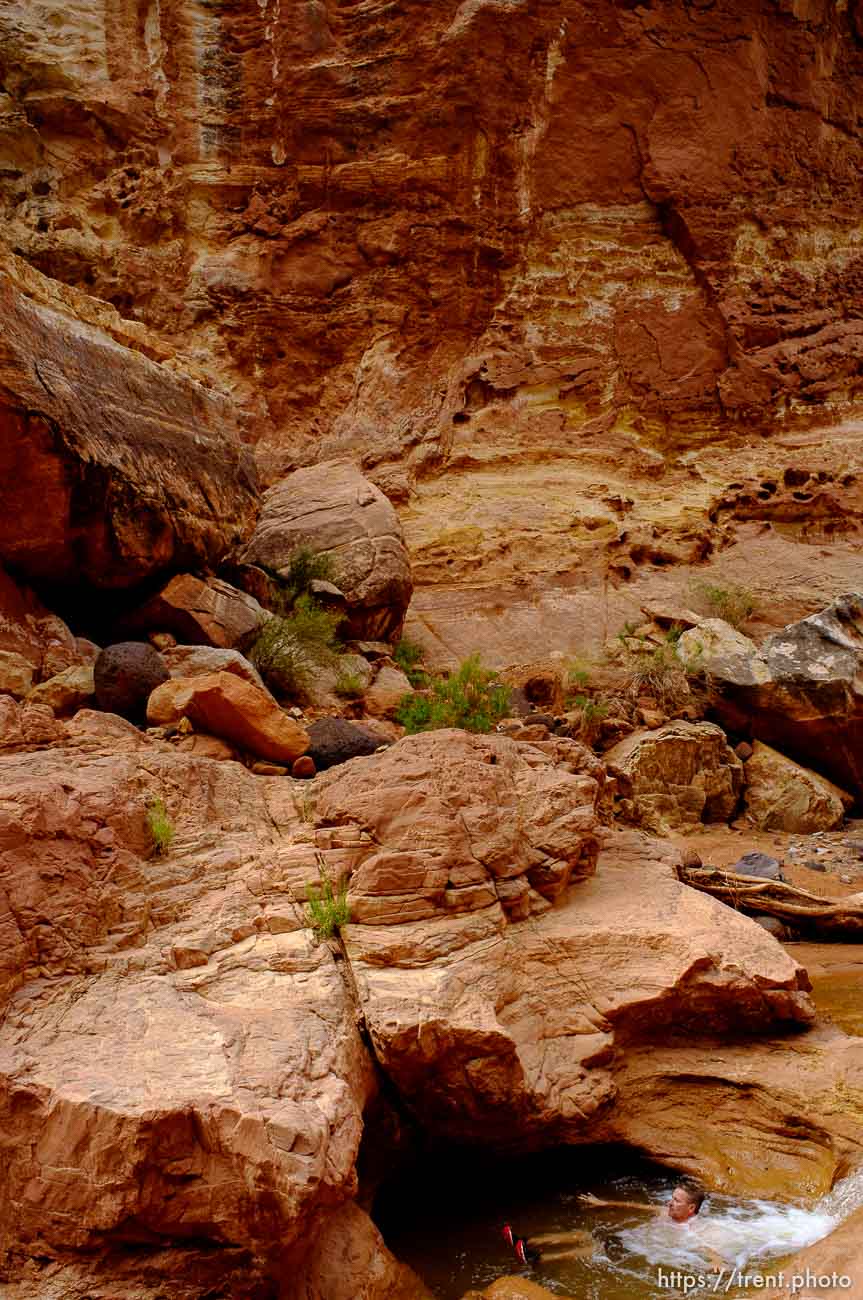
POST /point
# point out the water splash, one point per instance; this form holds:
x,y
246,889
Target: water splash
x,y
743,1232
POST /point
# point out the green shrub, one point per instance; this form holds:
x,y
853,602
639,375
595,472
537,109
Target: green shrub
x,y
577,679
287,650
349,686
303,568
159,825
472,699
408,655
656,670
327,910
733,603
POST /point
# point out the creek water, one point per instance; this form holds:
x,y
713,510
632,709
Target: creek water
x,y
443,1216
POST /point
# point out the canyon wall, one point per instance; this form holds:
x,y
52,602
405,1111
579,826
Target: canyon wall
x,y
449,232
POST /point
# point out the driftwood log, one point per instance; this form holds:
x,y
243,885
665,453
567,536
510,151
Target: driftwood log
x,y
838,919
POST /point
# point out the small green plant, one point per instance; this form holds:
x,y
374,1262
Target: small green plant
x,y
327,909
287,650
303,568
349,686
160,826
628,630
657,671
592,714
408,655
732,603
577,676
471,698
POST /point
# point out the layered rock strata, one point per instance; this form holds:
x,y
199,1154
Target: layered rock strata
x,y
567,215
112,468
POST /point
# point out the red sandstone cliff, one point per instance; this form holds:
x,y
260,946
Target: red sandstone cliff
x,y
376,221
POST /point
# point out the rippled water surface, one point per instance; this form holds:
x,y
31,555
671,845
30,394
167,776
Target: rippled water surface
x,y
444,1217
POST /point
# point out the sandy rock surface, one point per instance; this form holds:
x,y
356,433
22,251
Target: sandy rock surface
x,y
513,1035
176,1048
781,795
513,1288
161,1029
194,660
677,775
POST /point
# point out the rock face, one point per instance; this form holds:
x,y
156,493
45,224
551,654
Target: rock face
x,y
249,195
458,832
193,660
66,692
155,1031
31,633
509,1035
677,775
236,1117
334,511
111,467
801,693
783,796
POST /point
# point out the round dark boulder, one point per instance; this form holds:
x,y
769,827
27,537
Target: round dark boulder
x,y
335,740
125,674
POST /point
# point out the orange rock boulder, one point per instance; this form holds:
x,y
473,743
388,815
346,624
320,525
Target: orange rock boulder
x,y
225,705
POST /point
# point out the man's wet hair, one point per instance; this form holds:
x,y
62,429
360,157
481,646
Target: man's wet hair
x,y
695,1193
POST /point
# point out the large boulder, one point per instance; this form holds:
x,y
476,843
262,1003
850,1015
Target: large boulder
x,y
200,611
386,692
511,1034
801,692
463,824
781,795
112,468
677,776
225,705
334,511
221,1097
125,675
16,674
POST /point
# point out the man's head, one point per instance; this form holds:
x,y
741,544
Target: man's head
x,y
686,1200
